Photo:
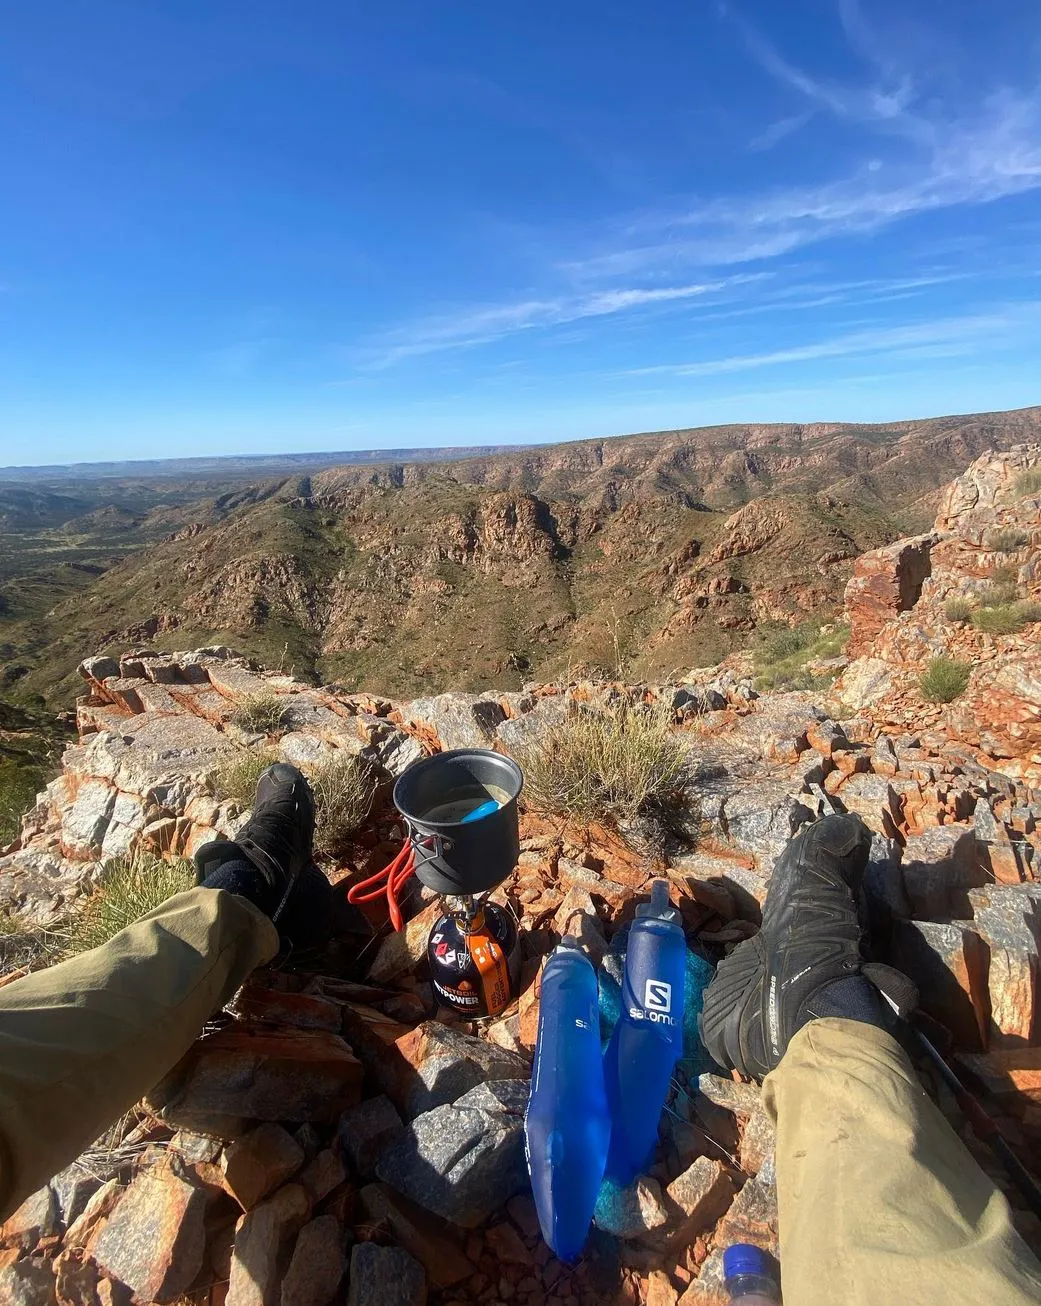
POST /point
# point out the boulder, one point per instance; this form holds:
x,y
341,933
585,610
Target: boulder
x,y
322,1175
694,1201
364,1132
865,681
1006,917
458,720
260,1162
155,1240
261,1074
427,1237
439,1064
939,866
385,1276
73,1187
761,819
520,733
28,1283
948,964
752,1217
36,1218
885,582
260,1237
466,1160
634,1211
317,1264
873,799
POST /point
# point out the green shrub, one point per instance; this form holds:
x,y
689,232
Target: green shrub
x,y
1028,483
127,889
1007,618
19,786
1007,540
235,779
944,679
958,609
779,643
344,788
262,713
782,655
611,763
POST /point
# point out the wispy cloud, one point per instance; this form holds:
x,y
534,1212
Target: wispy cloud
x,y
476,325
993,155
916,155
779,131
946,337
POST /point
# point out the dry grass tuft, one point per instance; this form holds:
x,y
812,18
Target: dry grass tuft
x,y
1007,540
263,713
958,609
25,947
129,887
612,763
235,779
344,788
1028,483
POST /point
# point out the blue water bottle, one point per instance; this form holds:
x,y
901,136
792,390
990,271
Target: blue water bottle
x,y
567,1127
750,1275
648,1039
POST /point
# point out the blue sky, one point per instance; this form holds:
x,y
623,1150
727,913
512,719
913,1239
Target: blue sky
x,y
254,226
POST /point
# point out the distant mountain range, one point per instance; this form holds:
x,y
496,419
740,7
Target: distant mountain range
x,y
226,466
653,552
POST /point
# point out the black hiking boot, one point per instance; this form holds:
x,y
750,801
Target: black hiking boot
x,y
272,861
807,960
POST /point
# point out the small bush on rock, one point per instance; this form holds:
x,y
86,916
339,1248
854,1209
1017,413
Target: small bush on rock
x,y
944,679
129,887
958,609
1007,540
613,763
263,713
344,787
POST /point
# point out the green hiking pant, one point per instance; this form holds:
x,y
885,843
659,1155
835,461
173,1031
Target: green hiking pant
x,y
880,1203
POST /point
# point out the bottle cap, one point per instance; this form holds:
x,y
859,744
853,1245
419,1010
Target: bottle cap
x,y
746,1258
659,908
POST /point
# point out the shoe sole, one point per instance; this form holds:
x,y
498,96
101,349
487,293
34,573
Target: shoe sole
x,y
738,979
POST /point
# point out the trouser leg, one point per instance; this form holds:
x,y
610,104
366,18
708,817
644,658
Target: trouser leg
x,y
82,1041
880,1203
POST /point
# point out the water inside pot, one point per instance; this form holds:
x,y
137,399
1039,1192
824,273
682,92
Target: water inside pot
x,y
456,810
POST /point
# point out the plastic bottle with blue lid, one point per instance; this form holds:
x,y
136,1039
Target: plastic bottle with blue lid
x,y
648,1038
750,1276
567,1125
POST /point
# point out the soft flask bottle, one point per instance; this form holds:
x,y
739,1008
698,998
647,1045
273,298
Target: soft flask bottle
x,y
566,1127
648,1039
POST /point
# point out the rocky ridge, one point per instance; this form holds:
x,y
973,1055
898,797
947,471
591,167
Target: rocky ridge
x,y
335,1137
665,549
